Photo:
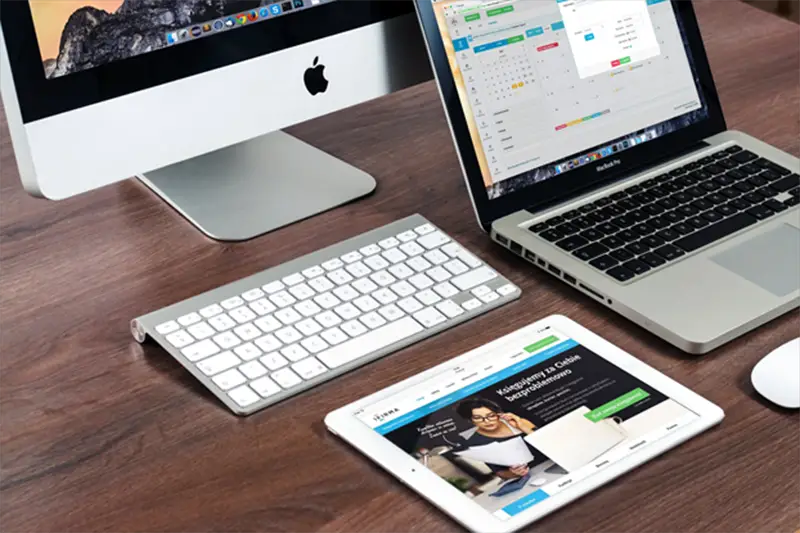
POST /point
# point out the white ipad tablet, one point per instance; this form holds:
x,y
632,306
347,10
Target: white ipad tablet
x,y
509,432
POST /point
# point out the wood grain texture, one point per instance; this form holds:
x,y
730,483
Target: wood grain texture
x,y
101,434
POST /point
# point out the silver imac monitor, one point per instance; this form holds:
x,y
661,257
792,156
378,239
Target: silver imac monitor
x,y
190,95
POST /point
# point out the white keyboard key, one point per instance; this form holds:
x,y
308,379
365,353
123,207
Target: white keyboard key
x,y
420,281
286,378
314,344
268,323
201,331
308,327
372,320
438,274
222,322
427,297
346,293
384,296
288,335
247,351
167,327
358,269
390,242
457,251
445,290
436,257
282,299
273,287
327,300
328,319
288,316
391,312
471,304
274,361
481,291
506,289
253,295
293,279
456,267
412,249
383,278
352,257
400,271
301,291
334,336
309,368
372,249
365,285
265,387
403,289
354,328
268,343
429,317
211,310
450,308
253,369
230,379
340,277
409,305
247,332
295,352
347,311
188,320
262,306
333,264
313,272
376,262
218,363
407,236
366,303
474,278
232,303
321,284
370,342
424,229
227,340
492,296
307,308
394,256
242,315
243,396
433,240
420,264
200,350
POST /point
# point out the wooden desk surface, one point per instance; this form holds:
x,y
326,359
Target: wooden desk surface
x,y
99,433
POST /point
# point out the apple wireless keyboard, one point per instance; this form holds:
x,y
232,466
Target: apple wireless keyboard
x,y
267,337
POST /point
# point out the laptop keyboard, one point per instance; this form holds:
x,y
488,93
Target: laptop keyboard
x,y
659,220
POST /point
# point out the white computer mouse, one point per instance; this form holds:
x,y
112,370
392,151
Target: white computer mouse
x,y
777,376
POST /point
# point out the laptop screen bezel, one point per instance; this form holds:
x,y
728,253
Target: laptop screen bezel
x,y
564,186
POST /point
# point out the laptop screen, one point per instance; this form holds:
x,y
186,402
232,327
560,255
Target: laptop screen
x,y
548,86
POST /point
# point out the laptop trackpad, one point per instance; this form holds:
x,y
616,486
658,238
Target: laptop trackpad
x,y
770,260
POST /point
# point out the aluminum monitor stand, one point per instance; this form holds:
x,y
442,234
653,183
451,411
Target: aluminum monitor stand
x,y
249,189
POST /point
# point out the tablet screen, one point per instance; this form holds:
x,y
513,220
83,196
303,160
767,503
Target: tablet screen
x,y
520,422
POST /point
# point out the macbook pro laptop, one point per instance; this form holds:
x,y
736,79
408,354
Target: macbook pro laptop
x,y
594,146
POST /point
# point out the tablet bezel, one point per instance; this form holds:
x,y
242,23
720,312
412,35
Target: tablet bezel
x,y
342,422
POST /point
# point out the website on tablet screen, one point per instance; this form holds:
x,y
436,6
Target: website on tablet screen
x,y
517,424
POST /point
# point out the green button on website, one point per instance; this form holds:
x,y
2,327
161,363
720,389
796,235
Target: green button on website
x,y
541,344
499,11
474,16
617,405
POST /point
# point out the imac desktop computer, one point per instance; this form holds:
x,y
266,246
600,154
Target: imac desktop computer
x,y
190,96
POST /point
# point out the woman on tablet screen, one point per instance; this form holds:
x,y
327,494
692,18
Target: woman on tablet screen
x,y
494,425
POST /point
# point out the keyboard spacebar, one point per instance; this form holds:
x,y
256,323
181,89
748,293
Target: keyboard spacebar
x,y
370,342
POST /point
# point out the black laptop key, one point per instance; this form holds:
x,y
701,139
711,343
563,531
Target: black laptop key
x,y
572,243
763,163
552,235
652,182
714,232
604,262
793,201
758,180
638,215
567,228
673,217
670,252
700,175
668,203
775,205
637,248
623,222
717,198
636,266
702,204
628,204
612,242
687,210
643,229
555,221
670,187
606,228
694,165
653,241
613,210
789,182
779,169
668,234
709,186
760,211
695,192
659,223
621,254
626,235
569,215
744,186
712,216
705,160
720,155
768,191
596,218
653,260
735,175
582,223
730,192
644,198
659,191
744,156
740,204
795,192
683,228
653,209
634,189
538,228
733,149
590,252
588,208
677,172
726,210
724,180
682,197
621,273
749,169
714,169
602,202
592,235
683,182
619,195
728,163
754,198
698,222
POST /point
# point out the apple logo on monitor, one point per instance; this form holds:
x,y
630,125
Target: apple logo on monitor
x,y
315,78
